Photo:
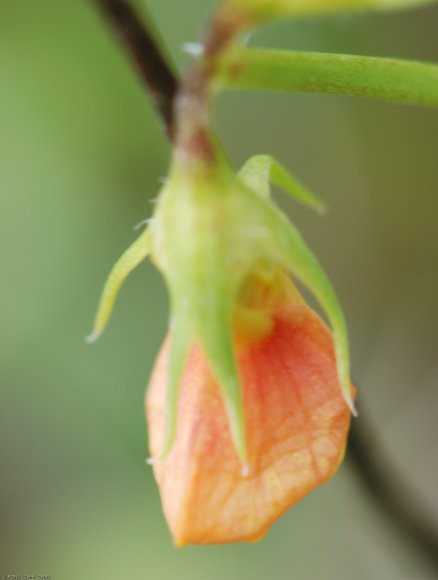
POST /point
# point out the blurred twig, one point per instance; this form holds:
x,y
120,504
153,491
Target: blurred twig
x,y
395,497
140,44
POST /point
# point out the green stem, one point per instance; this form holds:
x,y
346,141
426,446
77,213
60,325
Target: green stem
x,y
264,10
312,72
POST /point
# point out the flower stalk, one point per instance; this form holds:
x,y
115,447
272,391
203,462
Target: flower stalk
x,y
386,79
261,11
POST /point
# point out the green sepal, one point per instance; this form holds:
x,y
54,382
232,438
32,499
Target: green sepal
x,y
215,335
299,258
131,258
179,347
259,170
196,230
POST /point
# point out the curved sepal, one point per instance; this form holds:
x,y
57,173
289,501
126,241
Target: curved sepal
x,y
179,348
260,170
131,258
303,263
214,332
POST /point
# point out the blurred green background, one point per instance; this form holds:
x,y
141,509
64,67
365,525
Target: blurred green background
x,y
81,155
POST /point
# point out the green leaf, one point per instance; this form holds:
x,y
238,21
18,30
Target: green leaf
x,y
387,79
259,170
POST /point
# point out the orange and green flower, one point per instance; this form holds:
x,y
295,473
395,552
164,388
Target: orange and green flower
x,y
250,400
296,422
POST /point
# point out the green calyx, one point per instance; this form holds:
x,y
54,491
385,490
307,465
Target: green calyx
x,y
261,170
210,232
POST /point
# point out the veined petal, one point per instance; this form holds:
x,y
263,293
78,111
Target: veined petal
x,y
296,424
304,264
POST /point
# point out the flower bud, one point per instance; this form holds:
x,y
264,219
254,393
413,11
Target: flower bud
x,y
249,403
296,422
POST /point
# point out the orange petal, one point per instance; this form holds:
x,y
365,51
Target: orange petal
x,y
296,424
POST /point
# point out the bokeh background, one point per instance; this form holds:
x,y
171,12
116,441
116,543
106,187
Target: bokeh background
x,y
81,156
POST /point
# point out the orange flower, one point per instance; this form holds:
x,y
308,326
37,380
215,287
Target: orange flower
x,y
296,423
250,400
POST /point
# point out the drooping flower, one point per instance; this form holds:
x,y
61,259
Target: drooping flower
x,y
249,403
296,422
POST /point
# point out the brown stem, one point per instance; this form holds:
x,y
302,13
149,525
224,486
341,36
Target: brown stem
x,y
194,141
148,58
398,502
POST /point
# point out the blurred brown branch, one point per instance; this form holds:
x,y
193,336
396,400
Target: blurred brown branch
x,y
139,42
397,500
